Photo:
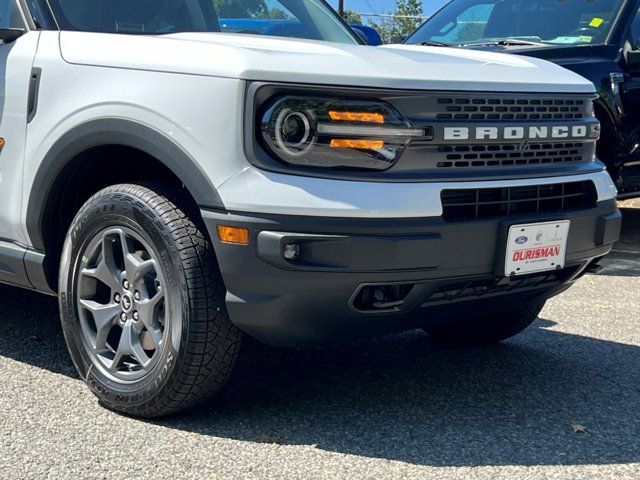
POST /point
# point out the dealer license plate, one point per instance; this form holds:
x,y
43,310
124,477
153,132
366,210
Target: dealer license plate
x,y
536,247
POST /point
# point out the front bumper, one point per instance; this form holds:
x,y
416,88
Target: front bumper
x,y
442,269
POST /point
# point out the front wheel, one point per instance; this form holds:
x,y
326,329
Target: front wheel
x,y
482,330
142,303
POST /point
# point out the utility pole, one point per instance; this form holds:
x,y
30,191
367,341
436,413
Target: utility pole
x,y
341,7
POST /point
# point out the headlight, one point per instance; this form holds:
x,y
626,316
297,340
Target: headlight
x,y
335,133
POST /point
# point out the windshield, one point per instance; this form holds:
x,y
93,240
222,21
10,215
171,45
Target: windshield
x,y
461,22
310,19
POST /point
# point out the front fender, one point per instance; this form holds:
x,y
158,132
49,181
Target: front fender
x,y
111,131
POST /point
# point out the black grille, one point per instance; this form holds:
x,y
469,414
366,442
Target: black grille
x,y
507,155
500,285
473,204
509,109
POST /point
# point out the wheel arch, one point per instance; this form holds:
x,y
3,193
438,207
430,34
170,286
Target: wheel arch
x,y
65,157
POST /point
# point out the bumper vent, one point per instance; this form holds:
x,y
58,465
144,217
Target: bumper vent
x,y
474,204
510,109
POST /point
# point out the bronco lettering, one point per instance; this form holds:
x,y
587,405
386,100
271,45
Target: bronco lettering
x,y
518,133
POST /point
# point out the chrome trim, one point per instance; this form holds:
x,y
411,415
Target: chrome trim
x,y
369,131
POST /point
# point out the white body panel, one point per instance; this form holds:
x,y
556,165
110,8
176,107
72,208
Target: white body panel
x,y
292,195
200,114
15,68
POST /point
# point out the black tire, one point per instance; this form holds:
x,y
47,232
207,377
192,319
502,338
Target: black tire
x,y
483,330
184,350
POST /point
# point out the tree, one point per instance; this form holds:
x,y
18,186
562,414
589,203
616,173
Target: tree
x,y
272,14
407,17
352,17
239,8
470,31
384,27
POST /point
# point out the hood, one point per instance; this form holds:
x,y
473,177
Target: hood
x,y
560,54
249,57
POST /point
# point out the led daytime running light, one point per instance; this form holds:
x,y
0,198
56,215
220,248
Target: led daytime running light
x,y
368,131
363,117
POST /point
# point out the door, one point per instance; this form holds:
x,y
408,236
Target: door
x,y
16,60
630,96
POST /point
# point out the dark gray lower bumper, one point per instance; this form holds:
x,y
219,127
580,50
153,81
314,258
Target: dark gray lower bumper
x,y
441,270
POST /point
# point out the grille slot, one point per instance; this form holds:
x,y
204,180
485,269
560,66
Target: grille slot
x,y
509,109
510,155
474,204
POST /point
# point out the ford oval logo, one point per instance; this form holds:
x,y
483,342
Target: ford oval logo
x,y
521,240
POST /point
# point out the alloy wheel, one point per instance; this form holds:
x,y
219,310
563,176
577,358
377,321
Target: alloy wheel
x,y
122,304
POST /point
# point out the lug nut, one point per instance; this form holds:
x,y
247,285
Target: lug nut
x,y
137,295
123,317
136,316
125,284
117,298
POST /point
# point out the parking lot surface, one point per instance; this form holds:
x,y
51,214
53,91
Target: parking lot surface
x,y
560,401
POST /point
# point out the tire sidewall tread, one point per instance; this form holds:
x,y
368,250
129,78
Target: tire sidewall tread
x,y
194,283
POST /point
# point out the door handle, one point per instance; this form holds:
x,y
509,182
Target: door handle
x,y
616,80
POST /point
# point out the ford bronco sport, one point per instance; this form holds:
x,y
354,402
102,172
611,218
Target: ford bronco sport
x,y
177,186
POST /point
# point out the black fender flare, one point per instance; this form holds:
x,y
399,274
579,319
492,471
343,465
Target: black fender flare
x,y
112,131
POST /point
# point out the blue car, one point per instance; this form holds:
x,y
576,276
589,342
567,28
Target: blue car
x,y
288,28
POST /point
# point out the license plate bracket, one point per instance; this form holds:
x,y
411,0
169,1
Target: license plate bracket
x,y
535,247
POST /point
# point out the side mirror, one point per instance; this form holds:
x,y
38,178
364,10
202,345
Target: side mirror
x,y
633,56
10,35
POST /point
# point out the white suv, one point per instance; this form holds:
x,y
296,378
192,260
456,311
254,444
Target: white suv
x,y
175,184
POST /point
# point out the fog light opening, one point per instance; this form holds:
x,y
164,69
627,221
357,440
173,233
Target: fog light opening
x,y
376,298
291,251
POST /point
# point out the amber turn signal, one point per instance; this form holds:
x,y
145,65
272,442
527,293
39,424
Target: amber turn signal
x,y
364,117
357,144
236,235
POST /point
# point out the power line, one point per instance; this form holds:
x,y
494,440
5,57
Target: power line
x,y
373,10
391,15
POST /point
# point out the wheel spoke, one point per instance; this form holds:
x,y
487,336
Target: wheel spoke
x,y
106,271
149,317
155,335
103,317
129,346
137,268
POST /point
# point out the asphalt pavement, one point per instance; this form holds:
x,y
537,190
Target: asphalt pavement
x,y
561,401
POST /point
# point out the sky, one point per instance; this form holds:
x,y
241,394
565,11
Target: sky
x,y
385,6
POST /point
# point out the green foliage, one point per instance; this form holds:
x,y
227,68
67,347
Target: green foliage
x,y
384,28
470,31
408,17
240,8
352,17
272,14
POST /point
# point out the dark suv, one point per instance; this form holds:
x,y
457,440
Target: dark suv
x,y
598,39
